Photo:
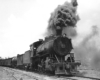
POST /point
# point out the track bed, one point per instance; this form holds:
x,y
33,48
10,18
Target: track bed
x,y
15,74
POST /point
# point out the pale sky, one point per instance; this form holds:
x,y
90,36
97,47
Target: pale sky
x,y
24,21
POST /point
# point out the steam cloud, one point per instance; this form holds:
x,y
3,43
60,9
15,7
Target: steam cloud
x,y
88,50
64,16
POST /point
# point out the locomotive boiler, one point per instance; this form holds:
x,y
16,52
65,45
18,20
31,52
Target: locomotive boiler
x,y
54,55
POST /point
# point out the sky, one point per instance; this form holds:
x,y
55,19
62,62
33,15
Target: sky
x,y
24,21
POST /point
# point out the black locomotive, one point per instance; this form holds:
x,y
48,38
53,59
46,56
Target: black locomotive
x,y
53,55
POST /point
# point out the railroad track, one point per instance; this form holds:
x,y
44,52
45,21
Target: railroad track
x,y
10,74
77,77
88,77
13,73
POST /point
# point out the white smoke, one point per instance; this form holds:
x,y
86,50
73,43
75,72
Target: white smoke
x,y
87,43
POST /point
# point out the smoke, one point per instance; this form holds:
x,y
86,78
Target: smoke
x,y
88,51
63,17
70,31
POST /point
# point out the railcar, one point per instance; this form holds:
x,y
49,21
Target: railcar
x,y
27,60
2,62
20,61
7,62
14,62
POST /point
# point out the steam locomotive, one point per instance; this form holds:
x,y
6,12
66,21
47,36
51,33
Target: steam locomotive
x,y
51,55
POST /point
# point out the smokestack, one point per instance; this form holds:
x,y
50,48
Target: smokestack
x,y
63,16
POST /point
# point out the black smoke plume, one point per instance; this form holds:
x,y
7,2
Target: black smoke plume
x,y
63,16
